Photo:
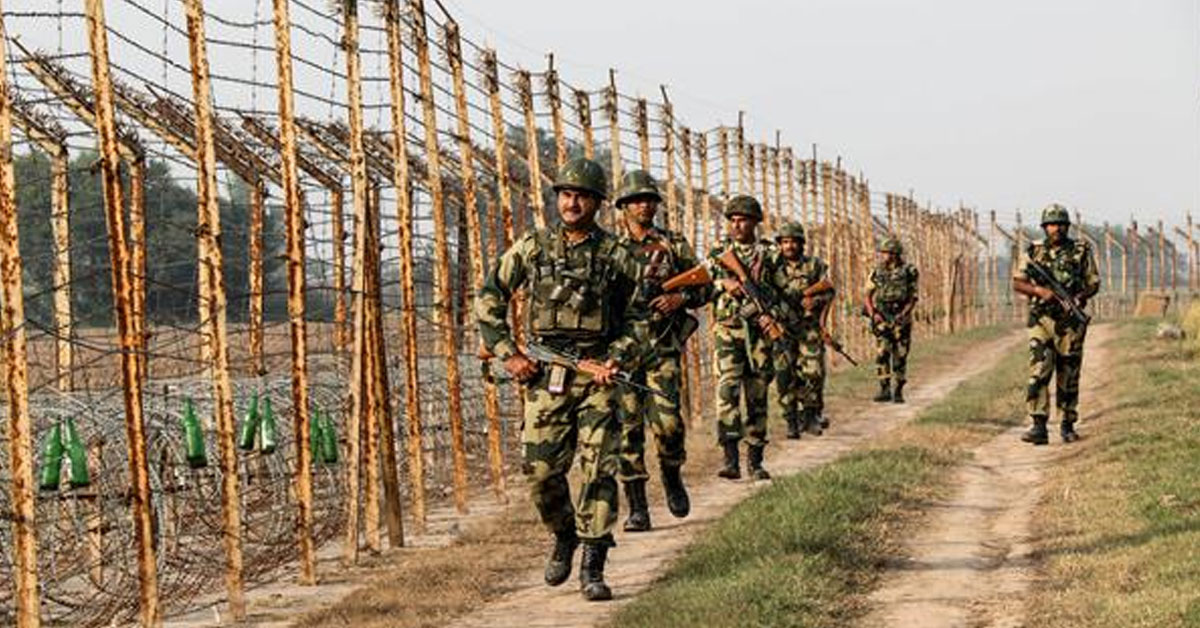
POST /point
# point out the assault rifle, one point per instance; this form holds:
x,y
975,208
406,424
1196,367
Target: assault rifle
x,y
569,359
1061,294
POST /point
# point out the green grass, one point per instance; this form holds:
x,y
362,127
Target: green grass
x,y
1122,536
805,550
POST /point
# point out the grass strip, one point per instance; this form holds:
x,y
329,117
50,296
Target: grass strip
x,y
806,550
1120,525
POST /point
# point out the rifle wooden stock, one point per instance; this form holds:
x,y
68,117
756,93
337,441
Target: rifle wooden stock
x,y
822,286
696,276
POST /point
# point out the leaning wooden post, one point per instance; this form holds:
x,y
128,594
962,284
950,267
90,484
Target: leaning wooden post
x,y
740,145
668,130
726,189
583,108
689,229
613,110
443,317
776,167
641,118
466,153
408,313
532,160
1132,238
1193,260
297,326
358,352
257,194
1162,258
813,185
137,255
768,206
827,225
222,391
790,164
550,79
13,344
370,370
706,220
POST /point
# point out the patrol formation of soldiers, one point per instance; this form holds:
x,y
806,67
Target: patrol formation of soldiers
x,y
616,310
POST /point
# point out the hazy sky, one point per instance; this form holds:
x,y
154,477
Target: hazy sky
x,y
1007,104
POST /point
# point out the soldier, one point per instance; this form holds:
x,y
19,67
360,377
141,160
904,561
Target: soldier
x,y
891,297
806,291
581,283
1055,332
744,334
661,254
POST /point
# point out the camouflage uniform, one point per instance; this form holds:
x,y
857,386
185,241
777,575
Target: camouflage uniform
x,y
743,351
581,296
800,357
661,254
1055,338
891,288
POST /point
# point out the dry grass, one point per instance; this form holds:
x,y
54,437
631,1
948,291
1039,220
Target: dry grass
x,y
1120,524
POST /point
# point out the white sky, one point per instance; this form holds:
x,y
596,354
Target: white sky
x,y
1003,105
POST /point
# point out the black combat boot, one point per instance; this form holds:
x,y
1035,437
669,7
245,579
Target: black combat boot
x,y
885,391
812,422
1037,433
639,510
898,393
591,571
754,461
1067,429
731,470
677,497
824,421
793,426
558,567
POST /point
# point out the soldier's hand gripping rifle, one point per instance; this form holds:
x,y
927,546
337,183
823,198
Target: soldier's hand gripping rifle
x,y
827,337
760,304
567,359
1061,294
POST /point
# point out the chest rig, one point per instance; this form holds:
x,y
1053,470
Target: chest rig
x,y
892,285
1065,263
571,285
728,308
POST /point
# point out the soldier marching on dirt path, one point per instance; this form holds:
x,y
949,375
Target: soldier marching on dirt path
x,y
661,254
891,297
1059,275
745,331
582,284
806,293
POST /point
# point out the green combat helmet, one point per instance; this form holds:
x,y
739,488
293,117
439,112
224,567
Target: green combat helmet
x,y
790,229
891,245
1055,214
743,205
637,183
584,174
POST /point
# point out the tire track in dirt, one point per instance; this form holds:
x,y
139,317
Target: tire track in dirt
x,y
639,559
971,564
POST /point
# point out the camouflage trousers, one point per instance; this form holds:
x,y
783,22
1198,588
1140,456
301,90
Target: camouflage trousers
x,y
638,409
800,374
583,418
1055,350
744,373
892,341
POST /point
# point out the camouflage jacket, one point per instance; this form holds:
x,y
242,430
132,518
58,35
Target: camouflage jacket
x,y
892,286
662,254
759,260
1071,263
792,278
581,295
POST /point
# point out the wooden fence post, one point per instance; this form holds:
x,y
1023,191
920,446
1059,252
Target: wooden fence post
x,y
532,159
443,317
297,326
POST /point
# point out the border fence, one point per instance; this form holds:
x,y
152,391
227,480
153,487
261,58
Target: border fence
x,y
238,250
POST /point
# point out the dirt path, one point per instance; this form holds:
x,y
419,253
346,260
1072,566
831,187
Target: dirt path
x,y
639,559
970,564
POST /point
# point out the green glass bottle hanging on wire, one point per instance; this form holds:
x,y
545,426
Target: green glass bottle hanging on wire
x,y
268,437
52,454
329,441
314,435
77,467
249,426
193,437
